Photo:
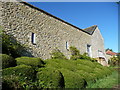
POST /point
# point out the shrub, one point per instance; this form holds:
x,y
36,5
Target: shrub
x,y
75,53
59,63
72,79
51,78
14,82
98,73
34,62
57,54
7,61
53,63
85,62
89,77
24,71
85,56
10,46
11,83
84,68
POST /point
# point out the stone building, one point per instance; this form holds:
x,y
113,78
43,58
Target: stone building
x,y
42,32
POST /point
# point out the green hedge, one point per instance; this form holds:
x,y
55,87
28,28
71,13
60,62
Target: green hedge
x,y
50,77
89,77
72,79
24,71
84,68
7,61
11,83
34,62
85,62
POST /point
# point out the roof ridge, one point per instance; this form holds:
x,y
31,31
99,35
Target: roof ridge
x,y
90,27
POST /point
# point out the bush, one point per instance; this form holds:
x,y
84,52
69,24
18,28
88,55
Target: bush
x,y
57,54
50,77
85,56
85,62
7,61
98,73
84,68
89,77
11,83
24,71
59,63
10,46
72,79
75,53
34,62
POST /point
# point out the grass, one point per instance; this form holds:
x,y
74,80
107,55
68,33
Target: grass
x,y
107,82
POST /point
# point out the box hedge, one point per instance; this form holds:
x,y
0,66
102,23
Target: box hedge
x,y
11,82
72,79
7,61
34,62
24,71
85,62
89,77
50,77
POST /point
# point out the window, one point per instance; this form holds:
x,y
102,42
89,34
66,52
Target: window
x,y
33,38
89,50
67,45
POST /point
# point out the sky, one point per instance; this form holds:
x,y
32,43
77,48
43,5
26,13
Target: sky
x,y
86,14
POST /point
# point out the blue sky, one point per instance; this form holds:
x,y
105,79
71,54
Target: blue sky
x,y
86,14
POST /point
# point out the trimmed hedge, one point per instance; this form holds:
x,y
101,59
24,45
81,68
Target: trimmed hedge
x,y
85,62
24,71
89,77
34,62
50,77
72,79
7,61
11,83
84,68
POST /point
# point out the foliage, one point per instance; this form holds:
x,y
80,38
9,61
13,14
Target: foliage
x,y
73,80
7,61
108,49
90,71
52,78
106,82
11,83
34,62
10,46
57,54
75,53
114,61
24,71
14,82
89,77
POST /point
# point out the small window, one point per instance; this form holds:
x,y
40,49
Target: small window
x,y
67,45
89,50
33,38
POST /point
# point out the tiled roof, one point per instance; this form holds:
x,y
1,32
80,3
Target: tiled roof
x,y
110,53
90,30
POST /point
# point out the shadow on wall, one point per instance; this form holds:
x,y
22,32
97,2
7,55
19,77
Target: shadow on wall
x,y
12,47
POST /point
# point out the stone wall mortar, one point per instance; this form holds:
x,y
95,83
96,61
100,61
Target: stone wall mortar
x,y
21,20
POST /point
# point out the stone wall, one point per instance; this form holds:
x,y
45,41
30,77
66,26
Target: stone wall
x,y
20,20
97,44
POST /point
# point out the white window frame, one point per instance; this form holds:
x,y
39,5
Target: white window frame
x,y
90,51
67,45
